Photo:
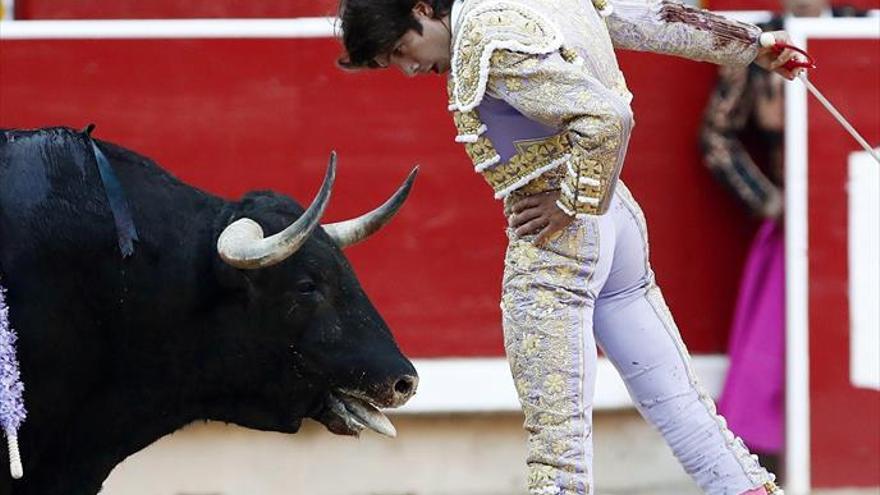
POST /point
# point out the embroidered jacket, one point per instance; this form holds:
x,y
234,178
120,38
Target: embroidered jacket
x,y
539,100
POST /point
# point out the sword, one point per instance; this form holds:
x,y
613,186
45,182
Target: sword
x,y
768,40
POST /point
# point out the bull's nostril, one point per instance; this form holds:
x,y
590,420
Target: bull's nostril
x,y
404,386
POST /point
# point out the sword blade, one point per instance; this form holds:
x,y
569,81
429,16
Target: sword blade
x,y
837,115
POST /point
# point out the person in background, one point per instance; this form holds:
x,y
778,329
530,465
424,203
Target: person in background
x,y
742,143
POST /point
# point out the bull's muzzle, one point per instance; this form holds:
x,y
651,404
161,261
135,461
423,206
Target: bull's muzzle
x,y
403,390
358,410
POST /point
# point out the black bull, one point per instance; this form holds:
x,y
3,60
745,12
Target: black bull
x,y
117,352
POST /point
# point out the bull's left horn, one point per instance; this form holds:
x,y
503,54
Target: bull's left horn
x,y
357,229
242,245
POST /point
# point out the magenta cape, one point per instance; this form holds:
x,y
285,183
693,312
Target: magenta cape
x,y
753,396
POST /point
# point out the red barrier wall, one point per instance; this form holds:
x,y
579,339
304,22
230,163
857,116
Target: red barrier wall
x,y
234,115
160,9
170,9
776,5
845,421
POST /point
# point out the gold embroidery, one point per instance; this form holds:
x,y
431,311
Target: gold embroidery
x,y
591,168
533,157
558,93
601,5
537,157
542,317
669,27
481,152
467,122
772,489
569,54
489,27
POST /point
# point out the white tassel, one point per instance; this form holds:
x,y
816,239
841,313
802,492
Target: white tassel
x,y
491,162
15,467
471,138
604,7
767,40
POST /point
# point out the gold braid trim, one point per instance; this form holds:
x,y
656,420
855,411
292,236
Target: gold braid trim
x,y
772,489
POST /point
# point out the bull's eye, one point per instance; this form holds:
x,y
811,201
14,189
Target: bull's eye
x,y
306,287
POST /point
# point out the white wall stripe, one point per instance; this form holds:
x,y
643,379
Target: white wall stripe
x,y
863,188
483,385
837,28
797,390
306,27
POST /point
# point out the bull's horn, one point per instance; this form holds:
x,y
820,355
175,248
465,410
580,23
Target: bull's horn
x,y
241,244
357,229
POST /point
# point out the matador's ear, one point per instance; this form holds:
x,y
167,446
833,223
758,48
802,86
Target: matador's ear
x,y
344,61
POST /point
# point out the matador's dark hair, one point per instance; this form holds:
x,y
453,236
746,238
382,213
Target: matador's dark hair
x,y
371,27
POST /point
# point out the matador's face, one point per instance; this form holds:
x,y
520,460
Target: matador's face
x,y
425,53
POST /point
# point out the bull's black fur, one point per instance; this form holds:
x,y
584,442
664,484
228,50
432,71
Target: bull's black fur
x,y
116,353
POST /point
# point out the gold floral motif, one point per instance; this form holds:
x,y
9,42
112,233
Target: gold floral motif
x,y
514,83
530,344
541,480
554,384
560,447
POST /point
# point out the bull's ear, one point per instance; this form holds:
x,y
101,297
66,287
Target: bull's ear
x,y
228,277
233,279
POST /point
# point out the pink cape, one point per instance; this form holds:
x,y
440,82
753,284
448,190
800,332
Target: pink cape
x,y
753,398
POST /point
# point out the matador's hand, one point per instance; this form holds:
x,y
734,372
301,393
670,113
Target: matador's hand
x,y
774,61
538,214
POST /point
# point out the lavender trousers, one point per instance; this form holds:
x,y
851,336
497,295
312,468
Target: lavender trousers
x,y
592,284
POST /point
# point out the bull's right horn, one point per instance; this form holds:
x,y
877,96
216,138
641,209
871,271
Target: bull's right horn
x,y
242,245
352,231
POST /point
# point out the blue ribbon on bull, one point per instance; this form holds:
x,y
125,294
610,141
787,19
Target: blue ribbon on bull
x,y
125,228
12,410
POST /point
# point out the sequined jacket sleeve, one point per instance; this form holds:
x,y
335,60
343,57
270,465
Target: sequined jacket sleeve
x,y
726,116
559,91
669,27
